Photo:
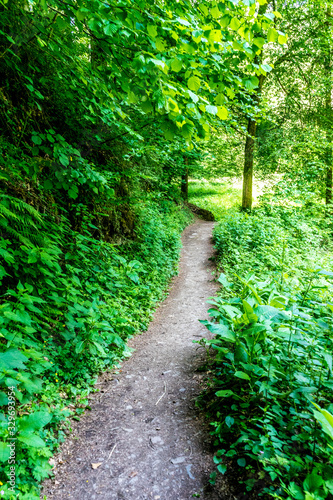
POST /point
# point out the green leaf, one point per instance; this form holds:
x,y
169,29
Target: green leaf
x,y
225,21
13,358
3,399
235,24
259,42
224,394
215,12
222,331
31,440
194,83
272,35
176,65
312,482
282,39
34,421
229,420
36,140
266,67
222,468
152,30
64,160
4,452
222,113
211,109
242,375
241,462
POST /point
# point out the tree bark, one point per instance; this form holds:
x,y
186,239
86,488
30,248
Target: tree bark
x,y
184,186
249,153
250,139
248,165
328,109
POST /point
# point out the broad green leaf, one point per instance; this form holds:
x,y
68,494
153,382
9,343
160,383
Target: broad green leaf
x,y
215,12
4,452
224,394
225,21
222,331
152,30
282,39
176,64
31,439
110,29
235,24
13,358
194,83
242,375
259,41
266,67
272,35
211,109
222,113
222,468
34,421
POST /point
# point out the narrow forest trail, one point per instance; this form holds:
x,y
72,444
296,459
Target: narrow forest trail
x,y
146,418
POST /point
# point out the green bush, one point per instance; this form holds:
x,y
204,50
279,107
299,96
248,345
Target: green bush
x,y
68,306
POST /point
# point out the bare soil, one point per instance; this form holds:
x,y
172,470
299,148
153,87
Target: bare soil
x,y
144,429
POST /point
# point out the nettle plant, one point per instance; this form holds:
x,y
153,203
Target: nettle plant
x,y
273,344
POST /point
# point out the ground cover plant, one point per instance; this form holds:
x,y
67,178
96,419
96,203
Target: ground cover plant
x,y
68,308
271,395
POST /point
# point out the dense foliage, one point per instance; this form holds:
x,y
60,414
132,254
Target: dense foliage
x,y
272,324
104,110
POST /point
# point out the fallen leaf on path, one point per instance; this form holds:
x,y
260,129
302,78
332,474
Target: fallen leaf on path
x,y
95,466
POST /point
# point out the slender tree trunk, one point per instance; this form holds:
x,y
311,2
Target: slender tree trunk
x,y
184,186
328,106
248,165
249,153
250,139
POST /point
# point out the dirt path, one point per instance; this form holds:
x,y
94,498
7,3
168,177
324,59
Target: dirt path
x,y
145,431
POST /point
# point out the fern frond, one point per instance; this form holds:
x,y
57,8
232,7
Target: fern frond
x,y
26,219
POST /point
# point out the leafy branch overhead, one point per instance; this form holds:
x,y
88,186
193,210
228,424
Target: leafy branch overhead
x,y
184,63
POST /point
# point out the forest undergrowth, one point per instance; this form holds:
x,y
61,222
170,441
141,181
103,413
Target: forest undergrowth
x,y
71,302
270,397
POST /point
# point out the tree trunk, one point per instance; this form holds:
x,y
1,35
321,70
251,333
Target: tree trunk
x,y
250,139
184,186
328,113
248,165
249,153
